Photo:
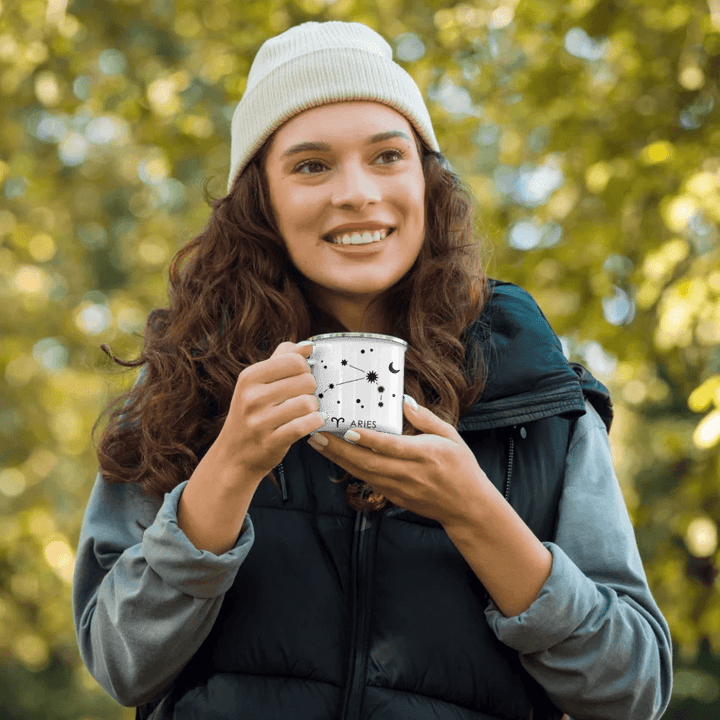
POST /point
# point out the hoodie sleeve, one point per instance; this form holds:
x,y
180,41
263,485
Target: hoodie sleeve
x,y
144,598
594,638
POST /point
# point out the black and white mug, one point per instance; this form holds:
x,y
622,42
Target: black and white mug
x,y
360,381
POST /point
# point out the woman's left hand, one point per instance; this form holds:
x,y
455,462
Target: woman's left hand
x,y
434,475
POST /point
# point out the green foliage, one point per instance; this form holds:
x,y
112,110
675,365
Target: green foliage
x,y
586,131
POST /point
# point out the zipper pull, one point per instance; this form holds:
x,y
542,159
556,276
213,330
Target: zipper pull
x,y
283,486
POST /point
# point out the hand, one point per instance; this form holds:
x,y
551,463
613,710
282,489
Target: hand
x,y
273,406
434,475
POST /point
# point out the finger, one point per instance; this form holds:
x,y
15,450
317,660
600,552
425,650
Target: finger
x,y
414,448
287,347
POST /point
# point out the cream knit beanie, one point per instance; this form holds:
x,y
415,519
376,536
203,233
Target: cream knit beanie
x,y
315,64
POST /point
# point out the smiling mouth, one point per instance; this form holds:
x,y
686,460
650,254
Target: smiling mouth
x,y
366,237
327,239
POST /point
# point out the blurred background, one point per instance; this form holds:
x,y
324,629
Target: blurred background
x,y
586,130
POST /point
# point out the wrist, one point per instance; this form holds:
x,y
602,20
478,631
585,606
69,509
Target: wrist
x,y
227,467
214,503
503,552
474,514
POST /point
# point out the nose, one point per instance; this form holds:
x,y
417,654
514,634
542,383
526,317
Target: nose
x,y
354,187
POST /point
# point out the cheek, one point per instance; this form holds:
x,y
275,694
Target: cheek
x,y
293,210
418,202
415,188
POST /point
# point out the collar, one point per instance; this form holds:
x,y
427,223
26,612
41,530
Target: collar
x,y
529,377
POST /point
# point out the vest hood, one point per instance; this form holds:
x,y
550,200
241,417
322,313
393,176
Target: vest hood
x,y
529,377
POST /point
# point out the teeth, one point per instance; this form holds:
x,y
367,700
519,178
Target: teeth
x,y
358,238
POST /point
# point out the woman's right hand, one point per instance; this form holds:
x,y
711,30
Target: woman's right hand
x,y
273,406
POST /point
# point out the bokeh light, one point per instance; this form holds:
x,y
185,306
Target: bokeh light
x,y
702,537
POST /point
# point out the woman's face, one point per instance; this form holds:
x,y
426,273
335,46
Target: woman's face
x,y
346,170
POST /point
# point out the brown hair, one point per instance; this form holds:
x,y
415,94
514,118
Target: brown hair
x,y
235,296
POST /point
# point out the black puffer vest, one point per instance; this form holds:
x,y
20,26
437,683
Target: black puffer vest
x,y
338,615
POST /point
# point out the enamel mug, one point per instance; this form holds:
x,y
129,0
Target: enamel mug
x,y
360,381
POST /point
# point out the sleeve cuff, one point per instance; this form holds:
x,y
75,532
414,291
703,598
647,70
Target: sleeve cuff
x,y
199,573
564,601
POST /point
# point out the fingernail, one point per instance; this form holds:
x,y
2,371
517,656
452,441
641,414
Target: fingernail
x,y
320,439
305,342
411,402
351,435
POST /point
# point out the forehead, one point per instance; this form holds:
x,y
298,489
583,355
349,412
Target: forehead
x,y
340,121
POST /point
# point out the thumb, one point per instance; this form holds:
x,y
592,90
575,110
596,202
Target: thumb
x,y
410,404
426,420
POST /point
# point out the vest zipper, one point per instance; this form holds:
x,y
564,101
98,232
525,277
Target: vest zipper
x,y
522,433
511,459
508,477
360,597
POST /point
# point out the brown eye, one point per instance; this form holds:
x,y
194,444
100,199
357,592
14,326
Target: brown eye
x,y
309,164
395,155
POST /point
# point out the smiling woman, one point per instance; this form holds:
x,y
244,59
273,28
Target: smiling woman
x,y
455,571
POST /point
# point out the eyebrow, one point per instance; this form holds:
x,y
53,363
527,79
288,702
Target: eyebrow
x,y
325,147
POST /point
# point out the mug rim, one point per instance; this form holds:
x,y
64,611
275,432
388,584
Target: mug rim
x,y
325,336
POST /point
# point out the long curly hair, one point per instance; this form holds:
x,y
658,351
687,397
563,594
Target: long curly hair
x,y
235,296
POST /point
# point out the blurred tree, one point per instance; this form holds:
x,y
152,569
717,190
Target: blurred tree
x,y
586,130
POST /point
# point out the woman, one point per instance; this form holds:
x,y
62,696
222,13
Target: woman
x,y
481,565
